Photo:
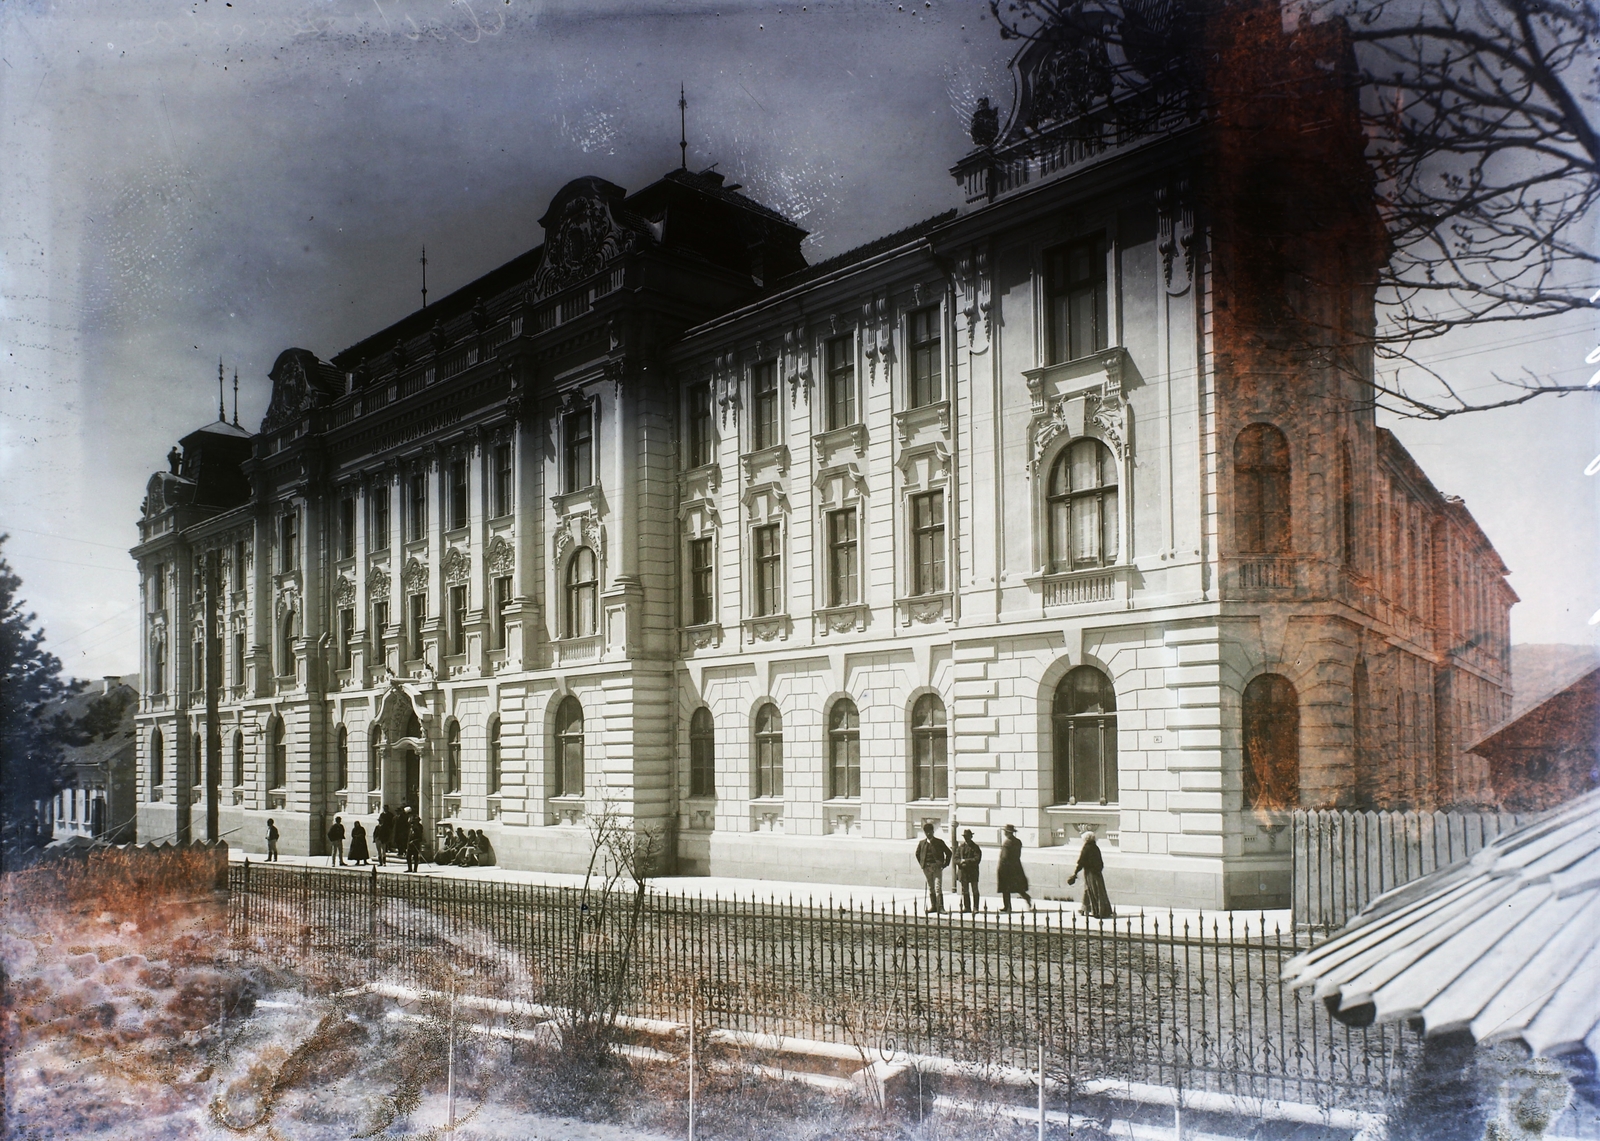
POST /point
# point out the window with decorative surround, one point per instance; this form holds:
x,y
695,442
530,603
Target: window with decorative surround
x,y
577,434
930,765
844,750
767,571
843,558
841,382
768,751
583,588
569,749
1082,507
458,494
504,494
1261,491
702,753
378,540
702,582
1084,738
347,527
417,520
700,444
458,619
927,543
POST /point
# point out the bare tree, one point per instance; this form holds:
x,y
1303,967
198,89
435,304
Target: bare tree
x,y
1480,119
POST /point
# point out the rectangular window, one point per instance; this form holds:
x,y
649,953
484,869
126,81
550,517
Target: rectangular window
x,y
702,763
578,432
418,520
380,631
702,583
458,494
503,497
158,587
238,565
238,657
288,542
379,539
419,615
158,669
502,603
925,368
768,570
842,563
347,635
764,405
347,528
458,619
841,382
927,536
1075,299
700,441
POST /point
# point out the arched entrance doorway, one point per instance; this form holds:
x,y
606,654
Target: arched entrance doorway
x,y
403,748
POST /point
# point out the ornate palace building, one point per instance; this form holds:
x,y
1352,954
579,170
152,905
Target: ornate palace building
x,y
1064,509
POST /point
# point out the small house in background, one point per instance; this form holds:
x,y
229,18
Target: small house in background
x,y
1548,752
98,800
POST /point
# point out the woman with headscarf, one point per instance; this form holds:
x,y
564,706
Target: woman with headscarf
x,y
1009,876
358,844
1092,864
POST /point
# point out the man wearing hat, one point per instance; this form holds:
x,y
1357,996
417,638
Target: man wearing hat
x,y
968,857
933,857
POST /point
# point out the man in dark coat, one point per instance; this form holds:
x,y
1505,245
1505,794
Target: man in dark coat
x,y
336,843
1092,864
414,840
272,839
968,856
1010,877
383,834
933,857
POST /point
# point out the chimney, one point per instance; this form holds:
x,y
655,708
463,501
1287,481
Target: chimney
x,y
110,683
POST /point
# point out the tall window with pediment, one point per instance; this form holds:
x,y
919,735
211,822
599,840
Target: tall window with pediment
x,y
1082,506
1261,491
1084,738
569,749
841,382
925,364
1075,299
583,591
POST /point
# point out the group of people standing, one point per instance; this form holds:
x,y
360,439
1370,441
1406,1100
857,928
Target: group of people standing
x,y
934,855
402,833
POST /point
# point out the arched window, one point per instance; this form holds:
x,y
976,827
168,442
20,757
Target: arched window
x,y
494,756
582,594
286,646
930,773
702,754
1083,507
238,759
279,775
569,749
452,757
844,749
1271,743
1261,491
342,759
158,760
769,751
1084,732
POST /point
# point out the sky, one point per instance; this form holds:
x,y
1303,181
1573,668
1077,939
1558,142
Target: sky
x,y
183,182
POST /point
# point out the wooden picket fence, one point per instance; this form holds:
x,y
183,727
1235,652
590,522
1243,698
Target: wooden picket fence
x,y
1344,860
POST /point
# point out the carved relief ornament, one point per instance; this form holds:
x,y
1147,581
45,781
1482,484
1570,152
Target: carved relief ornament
x,y
580,530
457,566
414,579
378,584
344,591
796,363
500,557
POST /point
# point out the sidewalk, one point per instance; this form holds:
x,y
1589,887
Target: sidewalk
x,y
852,896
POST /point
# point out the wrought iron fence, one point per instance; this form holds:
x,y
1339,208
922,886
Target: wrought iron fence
x,y
1344,860
1191,1005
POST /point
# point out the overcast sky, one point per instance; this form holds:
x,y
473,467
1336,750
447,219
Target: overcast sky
x,y
183,181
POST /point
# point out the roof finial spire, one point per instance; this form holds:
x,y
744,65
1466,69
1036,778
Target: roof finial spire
x,y
222,412
424,277
235,398
683,127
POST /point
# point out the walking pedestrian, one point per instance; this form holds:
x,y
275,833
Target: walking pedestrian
x,y
383,835
933,857
968,856
1012,880
358,844
414,840
336,843
272,839
1092,864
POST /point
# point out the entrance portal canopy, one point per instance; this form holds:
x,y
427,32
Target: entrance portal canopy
x,y
1505,944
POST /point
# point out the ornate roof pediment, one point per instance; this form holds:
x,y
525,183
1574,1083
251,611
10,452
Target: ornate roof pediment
x,y
582,235
300,382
